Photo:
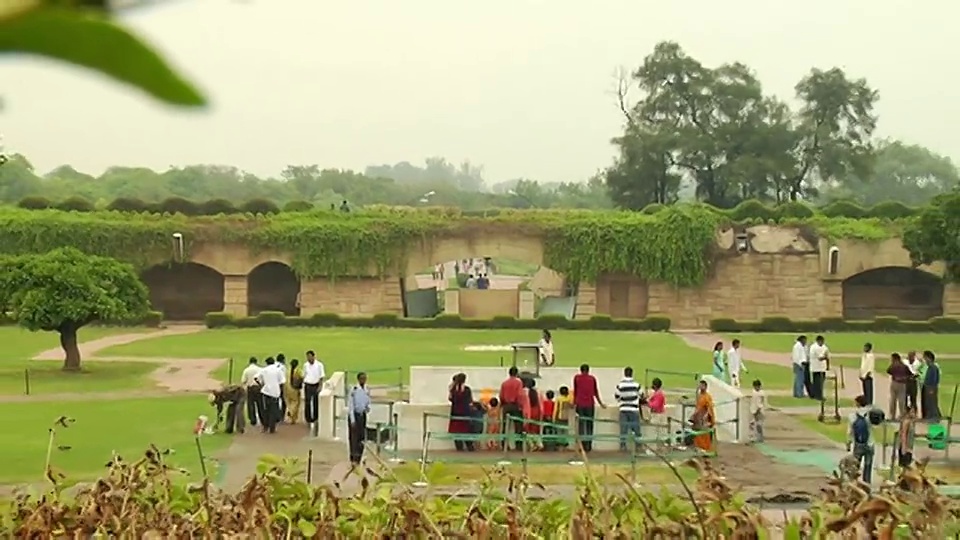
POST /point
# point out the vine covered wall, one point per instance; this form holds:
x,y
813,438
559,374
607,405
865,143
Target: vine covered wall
x,y
675,245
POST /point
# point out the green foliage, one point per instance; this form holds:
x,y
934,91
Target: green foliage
x,y
35,203
216,207
944,325
391,320
88,38
75,204
844,209
259,207
892,210
297,206
126,204
935,235
753,209
652,208
795,210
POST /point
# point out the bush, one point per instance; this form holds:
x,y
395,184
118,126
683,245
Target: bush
x,y
845,209
178,205
891,210
35,203
795,210
652,208
75,204
268,319
259,206
215,207
297,206
751,210
128,204
892,325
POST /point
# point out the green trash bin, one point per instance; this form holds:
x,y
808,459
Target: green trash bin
x,y
937,437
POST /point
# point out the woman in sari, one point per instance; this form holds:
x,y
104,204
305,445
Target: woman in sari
x,y
704,418
719,366
291,391
461,401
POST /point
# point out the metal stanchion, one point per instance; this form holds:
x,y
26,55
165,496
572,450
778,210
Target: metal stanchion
x,y
26,381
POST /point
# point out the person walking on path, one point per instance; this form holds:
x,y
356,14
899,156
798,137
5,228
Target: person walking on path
x,y
719,366
313,375
358,407
628,394
819,362
248,380
867,369
899,375
931,388
271,380
800,366
735,364
585,393
860,437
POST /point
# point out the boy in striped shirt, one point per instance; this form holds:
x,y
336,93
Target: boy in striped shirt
x,y
628,396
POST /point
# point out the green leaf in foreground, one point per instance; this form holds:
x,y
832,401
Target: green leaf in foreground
x,y
89,39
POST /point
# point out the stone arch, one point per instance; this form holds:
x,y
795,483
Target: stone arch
x,y
273,286
184,291
907,293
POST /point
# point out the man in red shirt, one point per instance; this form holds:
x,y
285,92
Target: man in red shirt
x,y
510,393
585,393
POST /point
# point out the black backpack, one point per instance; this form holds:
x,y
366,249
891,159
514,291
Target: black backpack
x,y
861,429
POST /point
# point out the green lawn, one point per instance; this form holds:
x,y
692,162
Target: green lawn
x,y
47,377
790,401
101,427
21,344
394,350
843,343
507,267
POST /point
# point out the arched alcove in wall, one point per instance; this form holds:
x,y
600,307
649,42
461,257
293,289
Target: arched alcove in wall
x,y
184,291
907,293
273,286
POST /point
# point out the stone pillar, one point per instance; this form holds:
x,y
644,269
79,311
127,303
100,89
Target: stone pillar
x,y
951,300
235,295
586,301
527,309
451,302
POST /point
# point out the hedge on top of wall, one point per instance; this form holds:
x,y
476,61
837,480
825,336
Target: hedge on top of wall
x,y
267,319
676,244
943,325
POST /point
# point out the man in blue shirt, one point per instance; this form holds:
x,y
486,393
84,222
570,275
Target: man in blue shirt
x,y
358,406
930,398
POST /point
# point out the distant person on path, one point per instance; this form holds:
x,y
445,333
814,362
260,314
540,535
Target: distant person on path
x,y
860,436
483,282
282,366
719,369
914,363
867,369
291,391
800,365
931,388
461,402
510,393
704,418
735,364
585,393
358,407
271,382
545,349
493,425
758,407
313,375
248,380
628,394
471,282
819,361
899,375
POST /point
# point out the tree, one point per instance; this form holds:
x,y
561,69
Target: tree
x,y
65,290
907,173
935,235
716,127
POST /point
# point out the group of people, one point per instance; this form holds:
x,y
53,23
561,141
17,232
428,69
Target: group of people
x,y
545,421
914,383
274,391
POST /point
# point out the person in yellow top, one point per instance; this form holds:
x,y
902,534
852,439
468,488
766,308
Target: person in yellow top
x,y
562,407
291,391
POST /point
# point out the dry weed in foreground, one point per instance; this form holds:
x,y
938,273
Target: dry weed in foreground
x,y
146,498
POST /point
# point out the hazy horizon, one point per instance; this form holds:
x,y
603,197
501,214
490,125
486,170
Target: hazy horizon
x,y
522,88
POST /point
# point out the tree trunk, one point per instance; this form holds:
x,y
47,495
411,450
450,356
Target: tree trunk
x,y
68,341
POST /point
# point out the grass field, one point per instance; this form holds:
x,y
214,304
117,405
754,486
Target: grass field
x,y
883,344
101,428
442,474
387,353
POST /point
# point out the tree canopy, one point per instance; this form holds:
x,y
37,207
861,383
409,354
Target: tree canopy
x,y
65,289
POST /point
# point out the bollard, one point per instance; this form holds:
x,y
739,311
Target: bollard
x,y
309,466
26,381
230,370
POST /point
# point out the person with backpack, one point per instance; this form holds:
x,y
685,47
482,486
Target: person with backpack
x,y
860,437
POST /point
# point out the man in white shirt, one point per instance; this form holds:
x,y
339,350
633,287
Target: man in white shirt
x,y
546,349
867,369
282,366
819,362
799,357
913,363
628,395
248,380
735,363
271,384
313,375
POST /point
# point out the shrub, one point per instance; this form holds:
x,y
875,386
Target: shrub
x,y
752,209
297,206
128,204
35,203
218,319
271,318
891,210
178,205
215,207
549,321
259,206
75,204
795,210
845,209
652,208
945,325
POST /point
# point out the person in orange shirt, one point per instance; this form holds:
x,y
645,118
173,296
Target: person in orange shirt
x,y
704,419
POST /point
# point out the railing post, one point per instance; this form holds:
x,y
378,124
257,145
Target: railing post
x,y
379,428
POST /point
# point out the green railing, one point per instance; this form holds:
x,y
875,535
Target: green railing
x,y
889,450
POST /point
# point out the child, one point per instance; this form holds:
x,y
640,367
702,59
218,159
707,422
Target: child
x,y
758,404
547,411
658,406
905,438
493,424
562,409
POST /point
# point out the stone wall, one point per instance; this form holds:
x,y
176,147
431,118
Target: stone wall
x,y
351,296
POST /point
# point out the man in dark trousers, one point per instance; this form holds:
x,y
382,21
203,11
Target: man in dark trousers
x,y
510,412
313,375
358,406
248,380
585,393
233,397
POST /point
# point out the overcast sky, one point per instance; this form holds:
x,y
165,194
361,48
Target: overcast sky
x,y
521,87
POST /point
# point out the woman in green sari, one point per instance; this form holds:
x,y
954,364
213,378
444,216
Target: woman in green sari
x,y
719,362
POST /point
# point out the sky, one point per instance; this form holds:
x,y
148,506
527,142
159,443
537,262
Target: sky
x,y
522,87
